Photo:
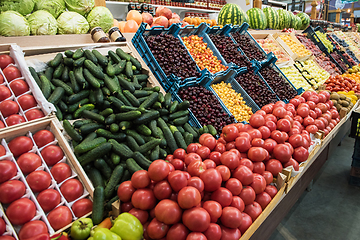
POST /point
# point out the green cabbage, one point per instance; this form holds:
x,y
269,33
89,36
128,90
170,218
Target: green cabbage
x,y
55,7
42,23
72,23
21,6
13,24
80,6
100,17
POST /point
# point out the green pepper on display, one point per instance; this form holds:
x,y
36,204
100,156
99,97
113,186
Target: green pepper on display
x,y
81,228
104,234
127,227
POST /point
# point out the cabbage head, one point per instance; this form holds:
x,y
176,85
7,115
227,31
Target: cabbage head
x,y
13,24
42,23
80,6
55,7
72,23
100,17
23,7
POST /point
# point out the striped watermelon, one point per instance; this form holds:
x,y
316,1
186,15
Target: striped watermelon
x,y
257,18
293,20
298,23
284,18
305,19
272,17
231,14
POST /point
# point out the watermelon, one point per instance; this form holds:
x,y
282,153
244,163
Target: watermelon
x,y
272,17
298,23
231,14
293,20
257,18
305,19
284,18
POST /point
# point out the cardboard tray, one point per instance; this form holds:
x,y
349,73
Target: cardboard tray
x,y
293,55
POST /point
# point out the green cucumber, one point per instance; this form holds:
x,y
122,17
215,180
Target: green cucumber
x,y
98,205
205,129
92,98
94,116
153,127
78,96
124,125
116,102
136,136
189,129
106,112
91,136
35,76
95,153
56,96
154,155
121,148
72,108
127,116
163,111
103,167
184,105
132,166
108,205
58,83
171,142
156,105
114,57
89,55
95,177
69,62
56,61
107,134
79,123
89,128
79,76
167,101
149,145
142,99
173,106
189,138
78,54
144,130
79,62
99,96
122,54
110,119
65,74
119,67
128,70
146,117
102,60
91,79
162,153
126,84
131,142
59,113
88,145
181,120
71,131
161,97
141,160
74,83
114,128
150,100
58,71
141,93
69,53
136,83
135,62
128,109
154,89
115,159
126,176
45,86
141,77
178,114
111,84
49,72
180,140
106,91
110,70
94,69
79,111
132,99
63,107
121,96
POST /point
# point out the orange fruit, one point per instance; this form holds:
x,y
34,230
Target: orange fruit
x,y
131,26
213,22
122,26
188,20
134,15
115,23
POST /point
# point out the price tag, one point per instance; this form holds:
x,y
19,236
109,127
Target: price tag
x,y
247,2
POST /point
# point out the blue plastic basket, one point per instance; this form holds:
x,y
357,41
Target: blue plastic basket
x,y
143,49
243,31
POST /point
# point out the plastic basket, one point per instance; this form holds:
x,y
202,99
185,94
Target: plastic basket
x,y
243,31
143,49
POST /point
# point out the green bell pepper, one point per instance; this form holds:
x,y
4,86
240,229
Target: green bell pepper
x,y
81,228
128,227
105,234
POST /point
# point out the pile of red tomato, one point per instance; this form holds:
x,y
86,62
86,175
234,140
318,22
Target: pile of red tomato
x,y
20,207
340,83
9,107
217,188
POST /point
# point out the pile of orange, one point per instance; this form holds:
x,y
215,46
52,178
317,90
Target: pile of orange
x,y
197,21
132,24
352,76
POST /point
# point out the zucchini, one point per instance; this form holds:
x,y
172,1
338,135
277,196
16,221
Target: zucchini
x,y
154,129
58,113
188,137
180,140
98,205
122,54
124,125
95,153
63,107
132,166
56,61
126,84
127,116
79,123
94,116
58,71
69,53
79,62
114,128
79,111
121,148
91,78
58,83
181,120
95,177
170,140
78,96
132,99
131,142
74,83
102,60
141,160
69,62
78,54
149,145
116,102
154,155
45,86
103,167
110,119
135,62
144,130
128,70
94,69
115,159
106,112
88,145
89,55
189,129
35,76
89,128
111,84
150,100
108,135
56,96
136,136
184,105
119,67
146,117
178,114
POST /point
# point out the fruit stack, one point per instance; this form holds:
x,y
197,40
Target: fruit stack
x,y
295,46
295,77
249,46
313,73
39,182
270,45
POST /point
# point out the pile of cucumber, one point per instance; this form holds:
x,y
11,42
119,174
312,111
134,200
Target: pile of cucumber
x,y
122,125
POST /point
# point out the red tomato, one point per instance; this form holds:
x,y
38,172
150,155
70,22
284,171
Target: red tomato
x,y
263,199
48,199
188,197
222,196
2,226
177,180
209,142
29,162
271,190
257,154
215,156
256,120
162,190
168,211
259,167
2,151
158,170
19,87
195,168
243,144
253,210
274,166
157,229
301,154
72,189
4,93
234,186
20,145
259,183
11,191
180,154
238,203
143,199
268,177
9,107
279,112
283,125
214,209
254,133
224,172
209,164
303,111
247,162
177,231
60,172
59,217
248,195
33,114
27,101
192,148
21,211
277,136
126,207
203,137
296,140
7,170
282,152
11,73
292,162
312,129
38,180
43,137
244,174
230,159
177,164
196,236
220,147
2,125
230,233
192,157
246,222
230,145
142,215
32,229
82,207
6,237
140,179
271,125
212,180
5,60
268,108
14,119
203,152
52,154
213,232
230,132
231,217
196,219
